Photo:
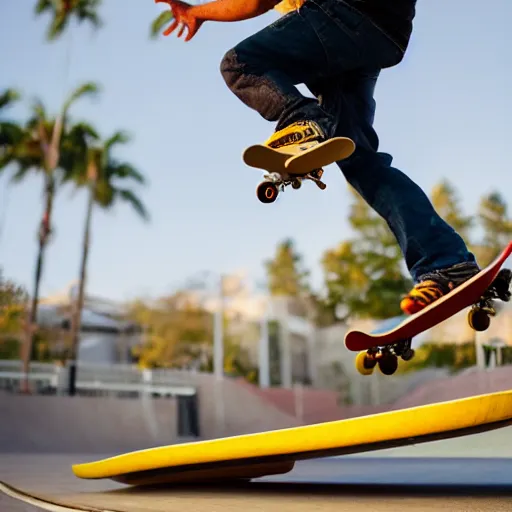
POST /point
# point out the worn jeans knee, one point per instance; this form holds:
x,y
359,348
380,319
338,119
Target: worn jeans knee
x,y
249,84
230,68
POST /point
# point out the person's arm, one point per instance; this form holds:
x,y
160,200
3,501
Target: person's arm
x,y
232,10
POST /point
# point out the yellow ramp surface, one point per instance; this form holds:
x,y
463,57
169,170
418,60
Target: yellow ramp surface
x,y
254,455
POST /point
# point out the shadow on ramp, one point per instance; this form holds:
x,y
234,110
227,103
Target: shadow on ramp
x,y
348,484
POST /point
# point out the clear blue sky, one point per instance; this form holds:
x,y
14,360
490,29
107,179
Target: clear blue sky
x,y
445,112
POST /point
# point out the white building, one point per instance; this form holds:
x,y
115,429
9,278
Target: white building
x,y
104,336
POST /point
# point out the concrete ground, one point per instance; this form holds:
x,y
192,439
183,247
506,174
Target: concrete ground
x,y
472,473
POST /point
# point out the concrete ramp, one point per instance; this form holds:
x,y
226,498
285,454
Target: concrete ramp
x,y
49,424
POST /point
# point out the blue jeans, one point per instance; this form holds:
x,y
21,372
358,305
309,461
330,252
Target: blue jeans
x,y
338,54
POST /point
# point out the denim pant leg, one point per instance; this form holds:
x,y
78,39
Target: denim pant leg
x,y
264,69
426,240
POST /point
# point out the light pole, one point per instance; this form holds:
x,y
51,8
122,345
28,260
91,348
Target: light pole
x,y
264,352
200,283
218,333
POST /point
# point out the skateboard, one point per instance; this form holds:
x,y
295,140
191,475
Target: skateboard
x,y
393,339
290,165
250,456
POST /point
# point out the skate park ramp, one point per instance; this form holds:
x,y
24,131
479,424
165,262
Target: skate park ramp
x,y
352,482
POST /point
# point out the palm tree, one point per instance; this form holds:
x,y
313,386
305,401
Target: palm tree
x,y
10,134
43,147
63,10
103,176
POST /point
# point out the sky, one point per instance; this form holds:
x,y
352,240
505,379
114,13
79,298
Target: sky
x,y
443,113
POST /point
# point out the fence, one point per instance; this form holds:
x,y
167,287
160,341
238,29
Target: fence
x,y
97,379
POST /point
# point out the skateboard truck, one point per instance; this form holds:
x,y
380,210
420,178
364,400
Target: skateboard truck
x,y
315,176
292,165
273,183
480,313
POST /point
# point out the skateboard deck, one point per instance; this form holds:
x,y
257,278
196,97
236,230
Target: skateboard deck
x,y
316,157
275,452
393,339
290,165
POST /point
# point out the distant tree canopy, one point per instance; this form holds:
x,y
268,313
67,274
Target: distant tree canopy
x,y
285,272
178,333
365,275
13,303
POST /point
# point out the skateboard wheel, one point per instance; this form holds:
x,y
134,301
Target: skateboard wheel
x,y
478,319
502,284
296,184
365,364
267,192
388,364
408,354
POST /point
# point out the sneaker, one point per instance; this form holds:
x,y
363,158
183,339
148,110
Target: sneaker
x,y
436,284
301,132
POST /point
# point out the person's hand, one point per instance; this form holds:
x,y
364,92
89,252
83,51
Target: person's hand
x,y
183,18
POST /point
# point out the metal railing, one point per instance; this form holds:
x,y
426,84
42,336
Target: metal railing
x,y
97,379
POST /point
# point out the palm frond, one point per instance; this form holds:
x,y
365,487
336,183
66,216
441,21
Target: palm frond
x,y
74,150
39,111
159,23
88,14
129,197
104,194
10,133
43,5
63,11
57,27
118,137
87,89
8,97
125,170
21,173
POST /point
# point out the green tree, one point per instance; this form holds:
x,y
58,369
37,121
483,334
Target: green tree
x,y
453,356
43,148
447,204
13,302
177,330
178,333
364,276
93,166
285,272
63,11
496,223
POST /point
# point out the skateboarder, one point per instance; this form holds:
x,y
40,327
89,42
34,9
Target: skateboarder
x,y
337,48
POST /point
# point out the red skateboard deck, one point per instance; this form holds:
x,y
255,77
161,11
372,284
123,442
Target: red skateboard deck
x,y
476,292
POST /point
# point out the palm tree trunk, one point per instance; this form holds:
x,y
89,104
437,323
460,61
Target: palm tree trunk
x,y
77,311
44,232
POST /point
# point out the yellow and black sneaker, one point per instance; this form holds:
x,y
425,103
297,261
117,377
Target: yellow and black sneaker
x,y
305,133
436,284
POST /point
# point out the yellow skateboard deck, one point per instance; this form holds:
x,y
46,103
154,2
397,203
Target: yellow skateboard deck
x,y
316,157
290,165
275,452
